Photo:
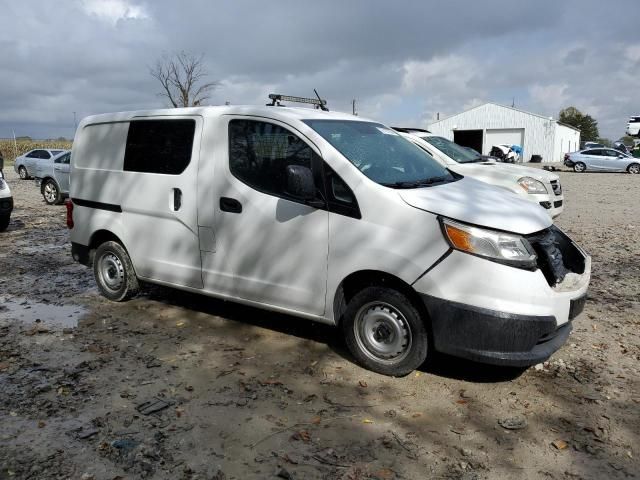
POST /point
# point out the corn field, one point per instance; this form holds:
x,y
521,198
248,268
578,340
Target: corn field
x,y
8,149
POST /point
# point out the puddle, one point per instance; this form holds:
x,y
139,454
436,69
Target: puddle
x,y
54,316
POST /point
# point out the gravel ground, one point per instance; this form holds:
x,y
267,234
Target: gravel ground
x,y
176,386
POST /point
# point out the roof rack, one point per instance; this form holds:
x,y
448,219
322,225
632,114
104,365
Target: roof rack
x,y
276,98
410,129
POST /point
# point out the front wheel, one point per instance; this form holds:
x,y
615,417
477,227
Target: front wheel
x,y
634,168
114,272
51,193
24,175
579,167
385,332
4,222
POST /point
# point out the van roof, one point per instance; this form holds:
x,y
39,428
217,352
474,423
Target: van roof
x,y
295,113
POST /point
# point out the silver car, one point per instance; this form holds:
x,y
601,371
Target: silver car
x,y
602,160
53,178
26,164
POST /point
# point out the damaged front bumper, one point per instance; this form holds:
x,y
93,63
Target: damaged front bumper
x,y
493,313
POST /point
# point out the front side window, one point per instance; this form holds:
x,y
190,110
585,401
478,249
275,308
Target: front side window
x,y
260,152
453,150
44,154
381,154
159,146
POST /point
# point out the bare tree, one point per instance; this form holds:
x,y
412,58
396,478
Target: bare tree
x,y
181,76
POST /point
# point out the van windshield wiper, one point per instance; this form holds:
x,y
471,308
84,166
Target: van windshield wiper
x,y
416,183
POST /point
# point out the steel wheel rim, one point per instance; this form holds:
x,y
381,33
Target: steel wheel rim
x,y
111,271
382,333
50,192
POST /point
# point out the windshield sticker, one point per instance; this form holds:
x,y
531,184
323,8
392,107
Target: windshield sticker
x,y
386,131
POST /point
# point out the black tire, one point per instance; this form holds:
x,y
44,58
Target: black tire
x,y
4,222
51,192
22,171
114,273
385,318
579,167
634,168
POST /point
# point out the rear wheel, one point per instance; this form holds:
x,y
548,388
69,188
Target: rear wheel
x,y
24,175
114,272
4,222
385,332
579,167
51,192
634,168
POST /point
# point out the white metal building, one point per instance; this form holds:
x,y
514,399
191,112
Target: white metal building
x,y
492,124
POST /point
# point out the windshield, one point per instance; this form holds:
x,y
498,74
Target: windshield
x,y
381,154
453,150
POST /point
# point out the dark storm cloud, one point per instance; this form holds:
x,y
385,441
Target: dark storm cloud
x,y
403,61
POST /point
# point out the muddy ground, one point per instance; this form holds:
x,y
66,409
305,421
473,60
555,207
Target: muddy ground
x,y
176,386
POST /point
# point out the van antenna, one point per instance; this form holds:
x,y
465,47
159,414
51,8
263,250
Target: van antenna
x,y
323,103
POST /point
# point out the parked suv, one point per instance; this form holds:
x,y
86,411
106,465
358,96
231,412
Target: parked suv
x,y
327,217
6,200
53,178
25,165
633,127
535,185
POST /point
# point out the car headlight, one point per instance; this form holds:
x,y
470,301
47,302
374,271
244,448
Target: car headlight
x,y
507,248
531,185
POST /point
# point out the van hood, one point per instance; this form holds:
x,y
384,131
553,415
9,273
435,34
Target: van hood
x,y
495,171
472,201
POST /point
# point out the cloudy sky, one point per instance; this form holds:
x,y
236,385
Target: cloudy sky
x,y
402,61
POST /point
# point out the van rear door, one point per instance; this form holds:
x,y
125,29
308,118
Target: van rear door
x,y
159,198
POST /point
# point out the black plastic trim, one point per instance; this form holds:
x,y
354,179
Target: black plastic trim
x,y
491,336
80,253
97,205
6,204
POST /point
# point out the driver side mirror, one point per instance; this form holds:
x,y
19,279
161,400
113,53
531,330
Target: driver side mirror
x,y
300,184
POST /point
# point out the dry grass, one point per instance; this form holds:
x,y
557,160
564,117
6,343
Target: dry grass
x,y
8,148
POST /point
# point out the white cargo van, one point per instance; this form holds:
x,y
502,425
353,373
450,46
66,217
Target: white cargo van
x,y
328,217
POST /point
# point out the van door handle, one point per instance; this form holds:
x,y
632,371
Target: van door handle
x,y
230,205
177,199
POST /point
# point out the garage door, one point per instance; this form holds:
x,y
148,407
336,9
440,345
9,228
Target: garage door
x,y
510,136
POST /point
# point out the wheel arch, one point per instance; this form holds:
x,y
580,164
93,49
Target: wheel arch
x,y
101,236
356,281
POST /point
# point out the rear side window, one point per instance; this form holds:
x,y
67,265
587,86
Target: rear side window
x,y
159,146
63,158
